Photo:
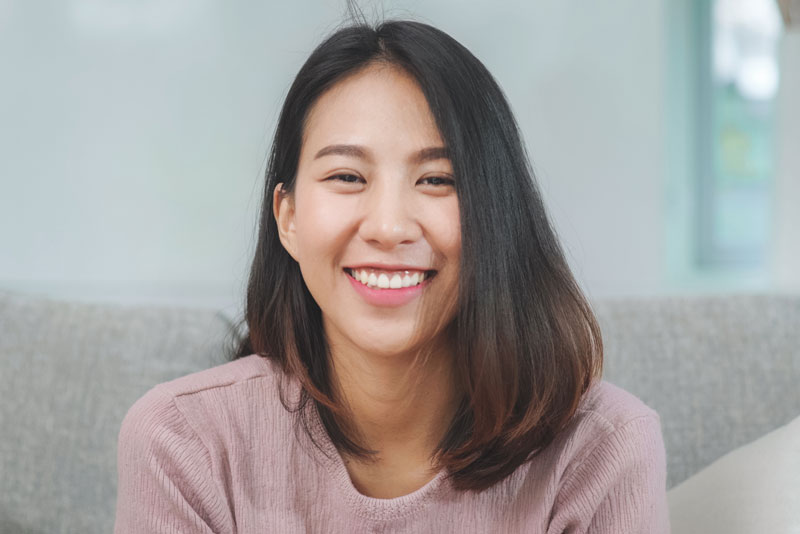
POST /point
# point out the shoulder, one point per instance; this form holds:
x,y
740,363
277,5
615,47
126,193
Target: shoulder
x,y
612,466
610,407
174,442
222,376
195,403
611,429
610,424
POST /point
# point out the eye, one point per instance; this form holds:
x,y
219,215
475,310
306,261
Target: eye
x,y
430,180
344,178
438,180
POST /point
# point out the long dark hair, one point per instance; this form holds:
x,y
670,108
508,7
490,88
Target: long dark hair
x,y
526,343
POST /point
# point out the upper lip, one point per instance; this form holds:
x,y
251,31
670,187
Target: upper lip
x,y
388,267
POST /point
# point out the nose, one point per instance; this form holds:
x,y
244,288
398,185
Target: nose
x,y
389,217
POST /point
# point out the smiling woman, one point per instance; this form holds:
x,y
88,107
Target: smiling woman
x,y
389,220
418,356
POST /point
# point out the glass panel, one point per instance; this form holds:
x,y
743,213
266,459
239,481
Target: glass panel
x,y
741,86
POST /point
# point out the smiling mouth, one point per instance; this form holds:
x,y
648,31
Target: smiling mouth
x,y
390,279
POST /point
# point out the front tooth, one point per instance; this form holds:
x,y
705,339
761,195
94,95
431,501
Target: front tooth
x,y
372,279
396,282
383,281
406,280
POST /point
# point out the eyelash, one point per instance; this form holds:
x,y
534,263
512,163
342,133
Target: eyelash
x,y
443,179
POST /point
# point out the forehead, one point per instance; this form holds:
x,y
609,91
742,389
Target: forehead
x,y
378,103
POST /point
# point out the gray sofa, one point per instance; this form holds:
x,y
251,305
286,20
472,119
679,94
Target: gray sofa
x,y
721,371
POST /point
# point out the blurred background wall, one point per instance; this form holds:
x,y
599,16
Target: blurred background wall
x,y
134,136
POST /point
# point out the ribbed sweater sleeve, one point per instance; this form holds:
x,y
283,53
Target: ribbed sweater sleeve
x,y
165,479
620,485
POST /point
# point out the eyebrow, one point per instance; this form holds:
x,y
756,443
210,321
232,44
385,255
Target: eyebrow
x,y
357,151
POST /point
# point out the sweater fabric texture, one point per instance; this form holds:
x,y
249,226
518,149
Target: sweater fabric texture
x,y
217,452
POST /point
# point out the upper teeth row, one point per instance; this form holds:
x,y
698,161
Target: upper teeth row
x,y
383,280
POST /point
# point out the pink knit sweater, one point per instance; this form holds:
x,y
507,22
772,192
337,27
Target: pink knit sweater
x,y
216,451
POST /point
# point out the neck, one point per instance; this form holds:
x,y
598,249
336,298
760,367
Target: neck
x,y
397,409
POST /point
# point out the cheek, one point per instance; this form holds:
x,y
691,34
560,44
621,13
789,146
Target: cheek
x,y
443,230
320,227
450,225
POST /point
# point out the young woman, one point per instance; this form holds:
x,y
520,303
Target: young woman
x,y
418,356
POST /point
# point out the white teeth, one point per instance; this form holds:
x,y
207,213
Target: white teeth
x,y
388,280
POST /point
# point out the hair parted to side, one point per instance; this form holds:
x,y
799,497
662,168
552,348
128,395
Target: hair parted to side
x,y
525,341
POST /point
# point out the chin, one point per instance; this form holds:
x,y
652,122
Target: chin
x,y
383,338
385,346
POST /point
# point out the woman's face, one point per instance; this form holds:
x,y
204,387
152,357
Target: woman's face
x,y
374,204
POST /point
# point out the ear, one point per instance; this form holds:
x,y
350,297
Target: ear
x,y
283,210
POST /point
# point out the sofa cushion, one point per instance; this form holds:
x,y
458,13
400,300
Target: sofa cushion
x,y
755,488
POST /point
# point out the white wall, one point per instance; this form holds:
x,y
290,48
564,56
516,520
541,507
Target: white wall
x,y
134,137
134,134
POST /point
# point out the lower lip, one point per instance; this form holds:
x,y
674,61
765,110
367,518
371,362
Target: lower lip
x,y
387,298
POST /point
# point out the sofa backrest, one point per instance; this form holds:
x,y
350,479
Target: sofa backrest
x,y
68,374
720,371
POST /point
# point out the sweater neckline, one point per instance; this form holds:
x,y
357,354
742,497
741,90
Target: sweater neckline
x,y
363,505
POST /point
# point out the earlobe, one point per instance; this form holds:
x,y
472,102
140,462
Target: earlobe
x,y
283,210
